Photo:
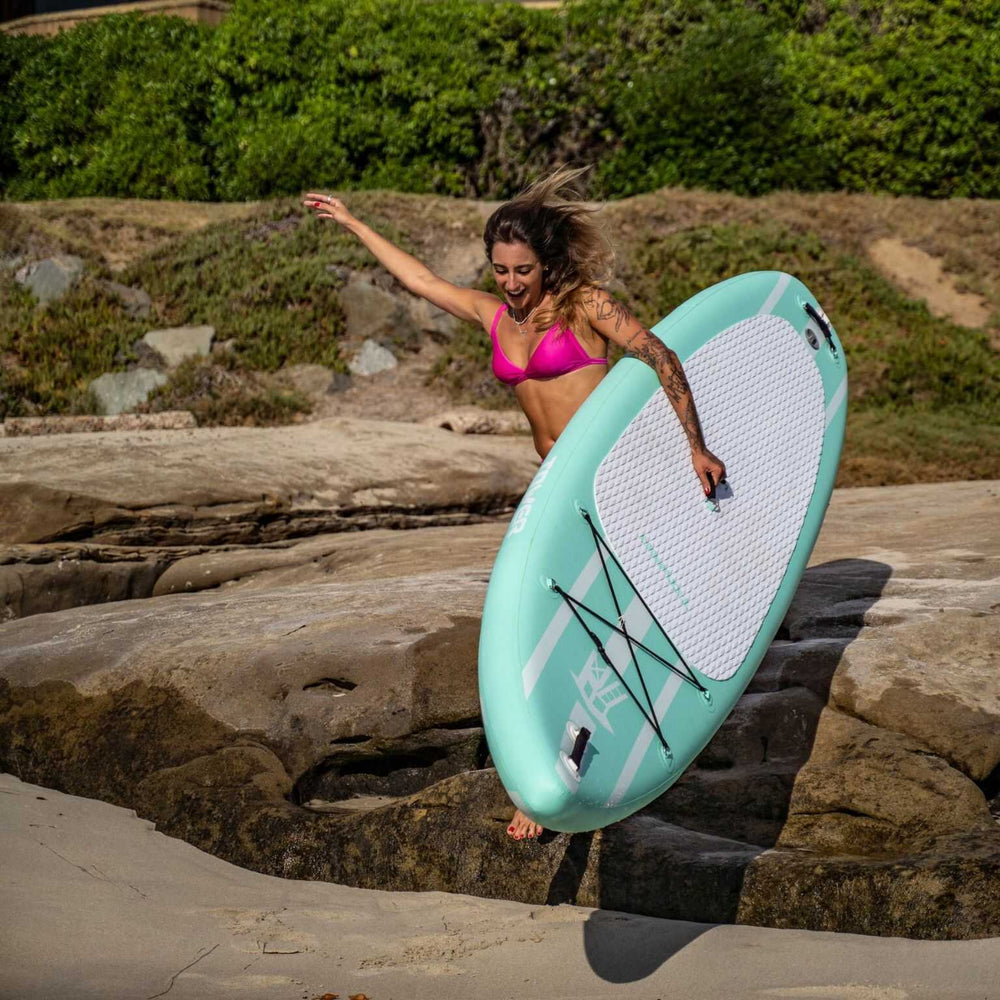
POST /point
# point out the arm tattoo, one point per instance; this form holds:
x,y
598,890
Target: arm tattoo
x,y
605,307
666,364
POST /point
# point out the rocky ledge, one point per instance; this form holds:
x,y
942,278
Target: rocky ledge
x,y
304,704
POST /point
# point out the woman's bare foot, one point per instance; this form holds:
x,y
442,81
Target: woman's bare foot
x,y
521,827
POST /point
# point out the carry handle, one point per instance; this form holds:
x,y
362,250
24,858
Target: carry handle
x,y
579,746
822,324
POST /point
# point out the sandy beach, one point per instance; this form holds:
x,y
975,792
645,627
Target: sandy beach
x,y
99,906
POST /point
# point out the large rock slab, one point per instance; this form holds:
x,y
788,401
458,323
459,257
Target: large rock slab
x,y
300,667
314,714
166,420
225,485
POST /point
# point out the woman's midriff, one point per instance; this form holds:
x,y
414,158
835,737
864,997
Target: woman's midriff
x,y
549,405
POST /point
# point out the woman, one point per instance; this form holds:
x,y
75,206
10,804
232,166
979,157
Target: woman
x,y
552,327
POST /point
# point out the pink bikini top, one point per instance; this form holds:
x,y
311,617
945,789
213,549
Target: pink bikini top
x,y
554,356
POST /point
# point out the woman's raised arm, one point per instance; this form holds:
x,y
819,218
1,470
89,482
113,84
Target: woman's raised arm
x,y
465,303
613,320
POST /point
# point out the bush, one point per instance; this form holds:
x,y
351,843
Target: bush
x,y
708,107
115,107
472,97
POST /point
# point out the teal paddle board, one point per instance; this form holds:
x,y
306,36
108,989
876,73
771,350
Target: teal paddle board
x,y
625,613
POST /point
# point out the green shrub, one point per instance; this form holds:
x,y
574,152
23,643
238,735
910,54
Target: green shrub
x,y
936,364
903,97
48,356
115,107
710,108
221,393
16,51
476,98
268,282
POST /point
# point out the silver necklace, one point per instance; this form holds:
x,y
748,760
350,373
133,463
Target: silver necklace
x,y
522,323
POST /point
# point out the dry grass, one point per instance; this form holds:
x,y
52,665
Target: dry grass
x,y
885,443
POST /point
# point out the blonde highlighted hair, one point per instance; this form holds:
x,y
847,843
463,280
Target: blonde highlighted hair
x,y
551,218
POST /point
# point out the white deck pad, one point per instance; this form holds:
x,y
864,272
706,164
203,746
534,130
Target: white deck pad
x,y
709,578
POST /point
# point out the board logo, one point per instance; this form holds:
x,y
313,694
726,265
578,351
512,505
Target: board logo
x,y
674,585
524,508
601,689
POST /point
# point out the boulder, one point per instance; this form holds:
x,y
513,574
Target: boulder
x,y
135,301
372,313
223,486
934,679
429,319
309,708
372,359
179,343
870,791
50,279
312,380
118,392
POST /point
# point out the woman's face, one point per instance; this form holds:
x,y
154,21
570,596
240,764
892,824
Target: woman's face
x,y
518,273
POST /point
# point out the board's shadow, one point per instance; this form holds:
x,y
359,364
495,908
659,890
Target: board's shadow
x,y
654,863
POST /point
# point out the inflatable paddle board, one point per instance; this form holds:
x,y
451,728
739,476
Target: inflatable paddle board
x,y
626,614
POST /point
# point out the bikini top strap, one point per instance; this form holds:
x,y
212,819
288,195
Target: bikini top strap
x,y
496,319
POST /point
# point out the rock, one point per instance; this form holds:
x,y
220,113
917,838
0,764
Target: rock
x,y
935,680
166,420
339,382
371,313
338,673
40,579
228,485
224,346
372,359
462,262
946,892
137,303
267,665
312,380
344,556
180,343
473,420
50,279
429,319
118,392
870,791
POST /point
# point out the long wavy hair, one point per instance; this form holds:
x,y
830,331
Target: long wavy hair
x,y
574,250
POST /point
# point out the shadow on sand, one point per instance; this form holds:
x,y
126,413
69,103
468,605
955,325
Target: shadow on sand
x,y
668,861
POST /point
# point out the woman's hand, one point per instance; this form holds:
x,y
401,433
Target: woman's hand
x,y
705,465
326,207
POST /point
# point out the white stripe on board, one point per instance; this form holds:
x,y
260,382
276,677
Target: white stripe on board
x,y
836,400
776,293
637,623
641,745
532,670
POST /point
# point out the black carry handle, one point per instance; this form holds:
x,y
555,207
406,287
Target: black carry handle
x,y
822,324
713,486
582,738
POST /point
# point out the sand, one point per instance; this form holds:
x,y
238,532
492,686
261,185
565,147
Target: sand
x,y
97,904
